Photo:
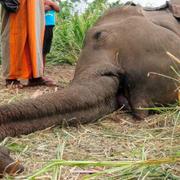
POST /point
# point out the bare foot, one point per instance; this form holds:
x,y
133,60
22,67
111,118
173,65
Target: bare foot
x,y
13,84
41,81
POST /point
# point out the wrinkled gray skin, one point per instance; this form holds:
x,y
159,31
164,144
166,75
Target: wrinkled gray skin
x,y
119,51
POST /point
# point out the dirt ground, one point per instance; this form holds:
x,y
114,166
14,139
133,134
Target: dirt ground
x,y
115,137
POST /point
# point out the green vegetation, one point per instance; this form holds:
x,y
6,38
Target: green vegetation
x,y
119,169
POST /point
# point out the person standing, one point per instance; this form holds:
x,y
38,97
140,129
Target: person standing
x,y
22,41
50,20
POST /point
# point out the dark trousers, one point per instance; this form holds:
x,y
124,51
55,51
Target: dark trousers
x,y
48,36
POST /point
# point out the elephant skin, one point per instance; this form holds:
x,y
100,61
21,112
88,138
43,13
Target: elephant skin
x,y
121,52
7,164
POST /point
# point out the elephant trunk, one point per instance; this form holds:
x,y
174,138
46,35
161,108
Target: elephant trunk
x,y
81,102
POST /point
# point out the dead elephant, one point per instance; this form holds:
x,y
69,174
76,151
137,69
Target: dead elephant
x,y
119,52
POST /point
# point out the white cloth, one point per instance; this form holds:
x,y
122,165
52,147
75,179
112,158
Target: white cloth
x,y
147,3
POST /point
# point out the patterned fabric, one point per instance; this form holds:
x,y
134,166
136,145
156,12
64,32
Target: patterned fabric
x,y
22,40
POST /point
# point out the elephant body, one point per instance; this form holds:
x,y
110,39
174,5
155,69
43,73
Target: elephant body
x,y
123,61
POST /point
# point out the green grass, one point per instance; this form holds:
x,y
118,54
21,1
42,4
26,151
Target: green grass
x,y
140,168
128,169
149,150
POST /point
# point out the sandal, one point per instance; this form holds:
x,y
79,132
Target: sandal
x,y
41,81
14,84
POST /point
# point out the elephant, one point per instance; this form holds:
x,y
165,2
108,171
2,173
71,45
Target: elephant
x,y
123,62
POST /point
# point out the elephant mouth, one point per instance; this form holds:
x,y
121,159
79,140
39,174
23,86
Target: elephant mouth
x,y
123,93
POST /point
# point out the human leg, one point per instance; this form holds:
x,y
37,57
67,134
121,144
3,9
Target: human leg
x,y
15,55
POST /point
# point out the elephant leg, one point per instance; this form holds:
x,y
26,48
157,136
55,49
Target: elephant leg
x,y
7,164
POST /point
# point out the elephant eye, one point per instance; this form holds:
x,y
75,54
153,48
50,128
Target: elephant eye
x,y
97,35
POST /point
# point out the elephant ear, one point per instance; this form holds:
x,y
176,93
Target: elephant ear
x,y
174,6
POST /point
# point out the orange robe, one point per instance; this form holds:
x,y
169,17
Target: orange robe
x,y
22,41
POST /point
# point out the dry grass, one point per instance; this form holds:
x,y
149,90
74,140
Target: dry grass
x,y
116,137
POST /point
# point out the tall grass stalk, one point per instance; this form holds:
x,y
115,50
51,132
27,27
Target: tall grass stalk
x,y
57,169
107,164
